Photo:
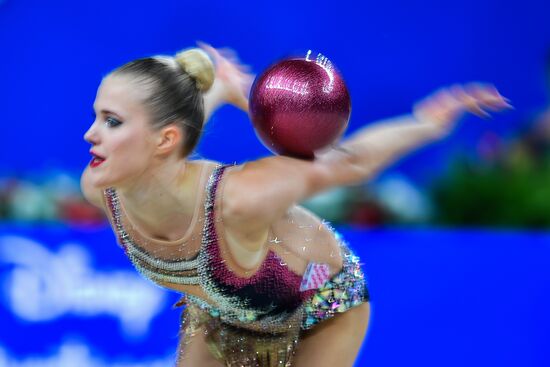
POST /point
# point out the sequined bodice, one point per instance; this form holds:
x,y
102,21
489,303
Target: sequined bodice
x,y
272,292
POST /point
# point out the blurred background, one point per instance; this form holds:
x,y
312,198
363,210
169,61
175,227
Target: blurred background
x,y
455,238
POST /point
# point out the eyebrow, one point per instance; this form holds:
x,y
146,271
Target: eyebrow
x,y
108,112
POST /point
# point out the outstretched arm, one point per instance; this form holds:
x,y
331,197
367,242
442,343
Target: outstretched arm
x,y
263,190
232,83
376,146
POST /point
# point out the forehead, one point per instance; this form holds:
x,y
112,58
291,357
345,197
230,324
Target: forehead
x,y
120,94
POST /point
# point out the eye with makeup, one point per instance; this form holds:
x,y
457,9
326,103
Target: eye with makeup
x,y
109,121
112,122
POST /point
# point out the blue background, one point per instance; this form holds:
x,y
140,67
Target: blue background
x,y
453,297
439,297
391,54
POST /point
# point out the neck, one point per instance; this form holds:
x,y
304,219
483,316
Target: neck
x,y
162,199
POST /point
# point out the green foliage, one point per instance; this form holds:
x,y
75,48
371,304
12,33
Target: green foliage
x,y
510,193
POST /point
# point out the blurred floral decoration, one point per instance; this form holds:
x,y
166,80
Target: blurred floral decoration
x,y
393,199
507,185
55,197
47,197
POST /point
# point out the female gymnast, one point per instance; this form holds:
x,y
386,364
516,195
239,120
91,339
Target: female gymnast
x,y
265,282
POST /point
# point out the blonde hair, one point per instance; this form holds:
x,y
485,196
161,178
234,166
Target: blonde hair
x,y
198,65
175,87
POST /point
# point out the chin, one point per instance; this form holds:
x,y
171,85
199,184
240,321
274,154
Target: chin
x,y
101,185
118,182
114,176
99,182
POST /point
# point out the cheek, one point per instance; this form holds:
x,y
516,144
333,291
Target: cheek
x,y
132,143
132,151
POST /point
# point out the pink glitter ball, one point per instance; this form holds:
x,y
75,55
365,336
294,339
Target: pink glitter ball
x,y
298,106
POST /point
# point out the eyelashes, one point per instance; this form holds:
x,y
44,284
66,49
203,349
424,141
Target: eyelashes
x,y
109,120
112,122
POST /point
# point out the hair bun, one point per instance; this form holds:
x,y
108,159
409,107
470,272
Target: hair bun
x,y
198,65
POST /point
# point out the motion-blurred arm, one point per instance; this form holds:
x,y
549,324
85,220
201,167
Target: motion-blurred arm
x,y
232,83
378,145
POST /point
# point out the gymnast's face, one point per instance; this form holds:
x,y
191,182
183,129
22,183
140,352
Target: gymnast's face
x,y
122,139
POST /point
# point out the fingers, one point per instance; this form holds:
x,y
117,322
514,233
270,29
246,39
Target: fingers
x,y
206,47
217,55
468,101
475,98
227,63
447,105
222,54
488,96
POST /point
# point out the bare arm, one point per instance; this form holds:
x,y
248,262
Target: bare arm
x,y
373,148
376,146
265,189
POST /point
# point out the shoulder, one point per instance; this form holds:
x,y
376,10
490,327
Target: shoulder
x,y
205,165
258,193
262,175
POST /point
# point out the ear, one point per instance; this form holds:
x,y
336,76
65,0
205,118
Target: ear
x,y
170,138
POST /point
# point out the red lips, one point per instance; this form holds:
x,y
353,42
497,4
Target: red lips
x,y
96,160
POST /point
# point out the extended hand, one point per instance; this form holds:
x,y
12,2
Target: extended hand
x,y
447,105
234,78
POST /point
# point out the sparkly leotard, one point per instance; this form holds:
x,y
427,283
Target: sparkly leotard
x,y
254,321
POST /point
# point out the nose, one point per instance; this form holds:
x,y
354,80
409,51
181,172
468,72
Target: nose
x,y
91,135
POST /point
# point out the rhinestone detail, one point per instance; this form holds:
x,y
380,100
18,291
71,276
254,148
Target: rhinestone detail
x,y
157,269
